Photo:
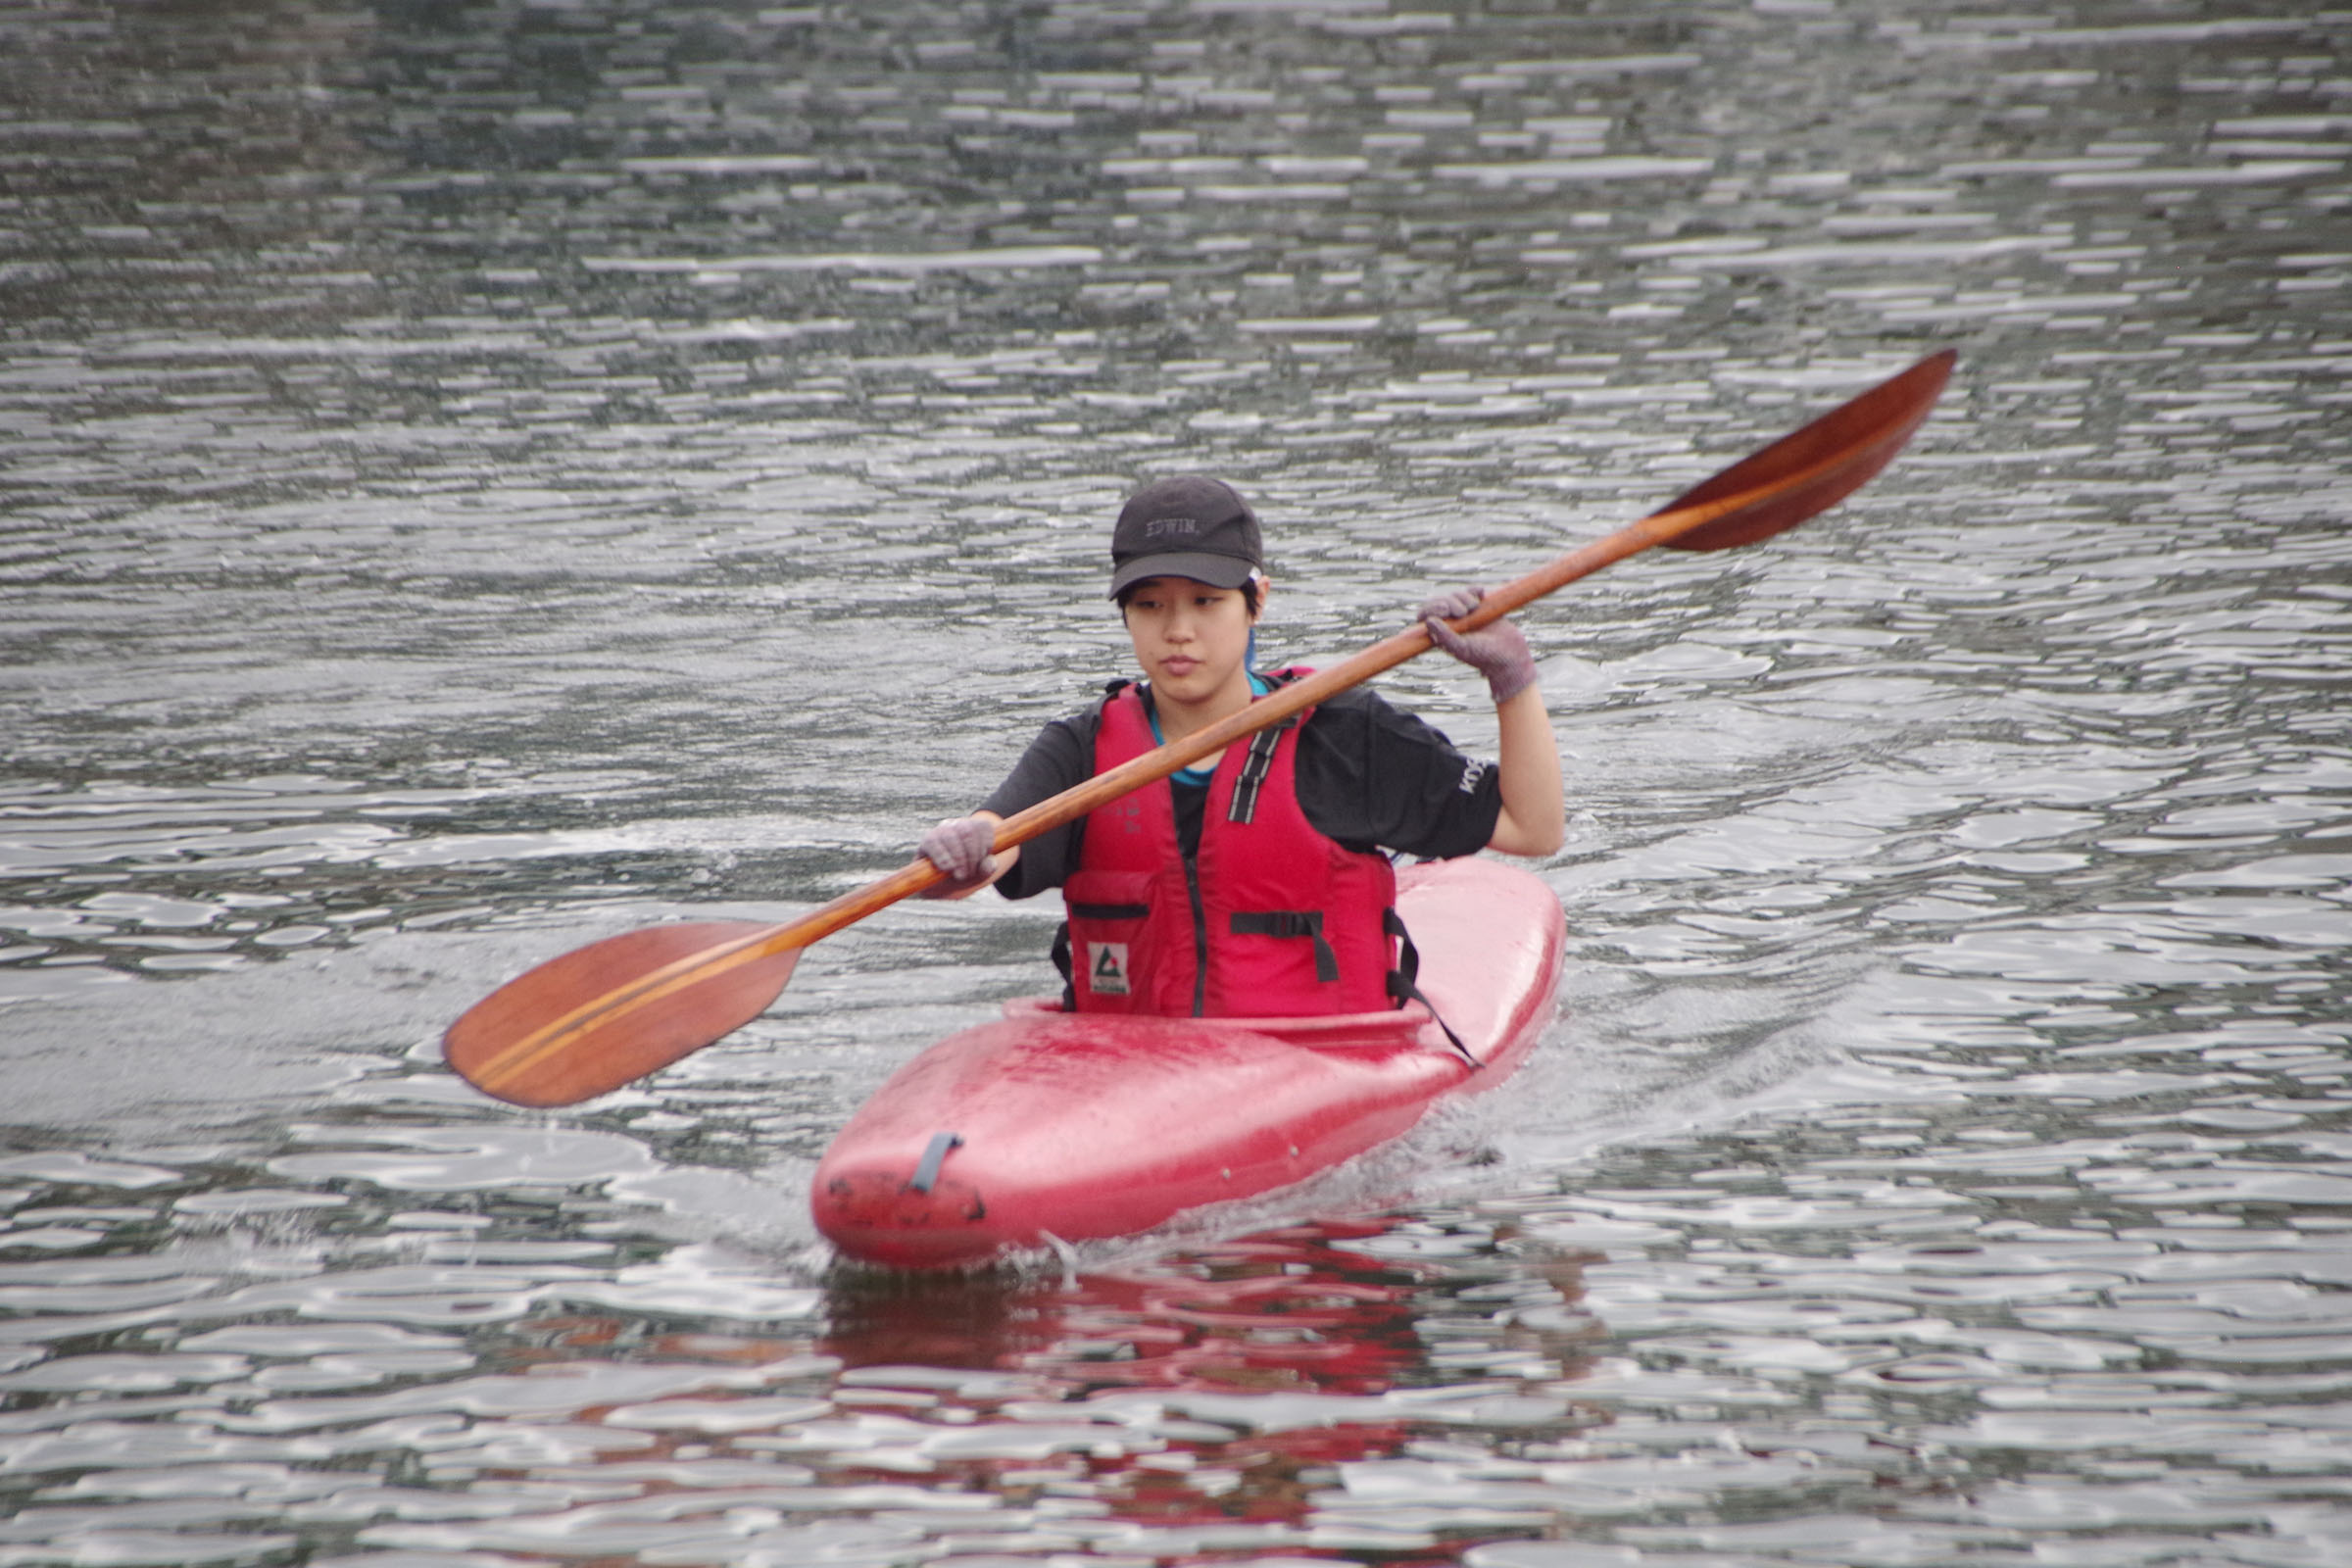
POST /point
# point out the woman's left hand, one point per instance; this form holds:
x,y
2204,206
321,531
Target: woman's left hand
x,y
1497,650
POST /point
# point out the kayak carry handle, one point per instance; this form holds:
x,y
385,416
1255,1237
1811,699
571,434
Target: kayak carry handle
x,y
926,1171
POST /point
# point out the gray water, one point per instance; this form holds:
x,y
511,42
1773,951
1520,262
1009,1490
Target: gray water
x,y
481,477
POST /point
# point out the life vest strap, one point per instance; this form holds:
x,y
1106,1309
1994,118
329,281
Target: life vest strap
x,y
1404,983
1255,767
1290,923
1062,961
1109,911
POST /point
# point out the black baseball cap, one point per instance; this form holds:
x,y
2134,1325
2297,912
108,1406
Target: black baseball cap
x,y
1190,526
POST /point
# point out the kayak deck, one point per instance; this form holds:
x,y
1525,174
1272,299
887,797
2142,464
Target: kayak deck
x,y
1080,1126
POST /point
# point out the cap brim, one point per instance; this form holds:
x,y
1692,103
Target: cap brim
x,y
1218,572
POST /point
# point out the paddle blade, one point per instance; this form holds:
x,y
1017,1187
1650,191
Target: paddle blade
x,y
586,1024
1849,444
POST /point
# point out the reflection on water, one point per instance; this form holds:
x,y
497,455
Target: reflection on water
x,y
480,477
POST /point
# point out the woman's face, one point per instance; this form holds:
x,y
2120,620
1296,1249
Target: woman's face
x,y
1191,639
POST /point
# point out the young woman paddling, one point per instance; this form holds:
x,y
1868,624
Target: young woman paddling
x,y
1259,882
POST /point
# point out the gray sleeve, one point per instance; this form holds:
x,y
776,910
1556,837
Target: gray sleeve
x,y
1371,775
1061,758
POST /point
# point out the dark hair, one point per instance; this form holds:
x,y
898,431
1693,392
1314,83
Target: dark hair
x,y
1253,592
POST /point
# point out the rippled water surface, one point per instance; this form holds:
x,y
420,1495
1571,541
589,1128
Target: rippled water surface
x,y
478,477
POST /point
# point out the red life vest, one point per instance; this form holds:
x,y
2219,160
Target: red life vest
x,y
1271,919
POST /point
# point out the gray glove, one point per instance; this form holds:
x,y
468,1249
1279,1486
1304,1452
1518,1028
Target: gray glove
x,y
964,850
1496,651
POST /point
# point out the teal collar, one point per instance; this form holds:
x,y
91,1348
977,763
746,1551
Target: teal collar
x,y
1199,777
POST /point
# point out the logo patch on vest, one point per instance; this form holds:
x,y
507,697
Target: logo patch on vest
x,y
1106,968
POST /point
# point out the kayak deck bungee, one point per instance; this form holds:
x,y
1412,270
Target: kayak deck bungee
x,y
1045,1125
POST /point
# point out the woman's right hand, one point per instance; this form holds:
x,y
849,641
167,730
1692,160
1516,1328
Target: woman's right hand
x,y
964,849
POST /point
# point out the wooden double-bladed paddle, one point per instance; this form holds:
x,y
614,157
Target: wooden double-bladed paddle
x,y
586,1024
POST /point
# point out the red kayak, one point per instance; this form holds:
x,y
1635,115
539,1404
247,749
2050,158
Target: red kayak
x,y
1052,1126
